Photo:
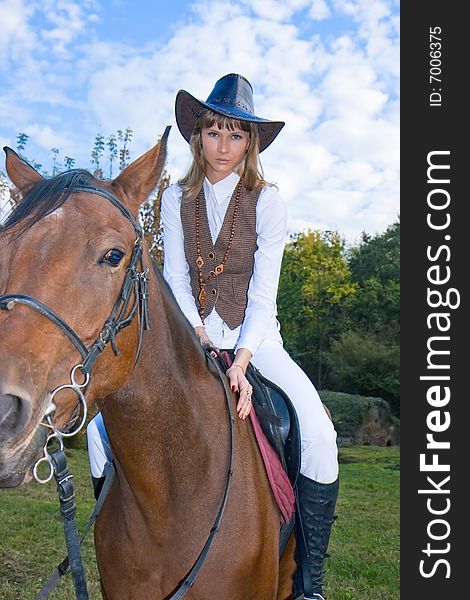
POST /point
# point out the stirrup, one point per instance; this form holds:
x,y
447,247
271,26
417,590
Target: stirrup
x,y
314,597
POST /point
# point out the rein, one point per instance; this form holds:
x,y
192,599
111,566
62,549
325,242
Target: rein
x,y
135,284
186,584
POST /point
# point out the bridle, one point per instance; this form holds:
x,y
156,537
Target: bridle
x,y
135,285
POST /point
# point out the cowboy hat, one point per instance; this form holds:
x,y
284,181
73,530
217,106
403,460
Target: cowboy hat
x,y
232,97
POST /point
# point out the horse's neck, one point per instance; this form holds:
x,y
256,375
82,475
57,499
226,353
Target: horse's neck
x,y
171,347
165,421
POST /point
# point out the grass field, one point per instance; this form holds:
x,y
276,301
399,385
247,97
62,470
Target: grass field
x,y
364,548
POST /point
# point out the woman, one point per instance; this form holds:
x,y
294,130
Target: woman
x,y
224,234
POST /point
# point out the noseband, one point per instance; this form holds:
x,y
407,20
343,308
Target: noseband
x,y
135,283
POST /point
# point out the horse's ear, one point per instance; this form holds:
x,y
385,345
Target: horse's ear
x,y
23,175
139,179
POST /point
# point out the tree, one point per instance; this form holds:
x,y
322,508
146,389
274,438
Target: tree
x,y
375,268
150,219
314,284
377,256
96,155
365,358
5,198
113,153
69,162
55,161
360,363
375,308
124,137
21,141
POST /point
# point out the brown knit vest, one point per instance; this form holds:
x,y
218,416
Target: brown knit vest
x,y
228,292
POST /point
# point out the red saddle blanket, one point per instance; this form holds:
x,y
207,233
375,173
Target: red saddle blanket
x,y
277,476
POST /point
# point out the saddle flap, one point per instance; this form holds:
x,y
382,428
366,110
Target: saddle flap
x,y
290,449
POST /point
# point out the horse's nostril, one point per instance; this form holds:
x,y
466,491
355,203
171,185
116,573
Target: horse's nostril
x,y
14,412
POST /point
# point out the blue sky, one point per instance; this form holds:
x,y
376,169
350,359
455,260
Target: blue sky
x,y
70,69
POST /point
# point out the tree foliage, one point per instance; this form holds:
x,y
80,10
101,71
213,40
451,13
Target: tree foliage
x,y
314,283
375,267
362,363
151,223
339,311
377,256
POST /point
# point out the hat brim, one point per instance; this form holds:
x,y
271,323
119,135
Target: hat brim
x,y
187,108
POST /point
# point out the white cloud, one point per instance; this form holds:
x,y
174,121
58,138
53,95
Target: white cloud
x,y
46,136
276,10
319,10
373,140
67,20
17,37
336,161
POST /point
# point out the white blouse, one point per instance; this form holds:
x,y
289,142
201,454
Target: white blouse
x,y
260,325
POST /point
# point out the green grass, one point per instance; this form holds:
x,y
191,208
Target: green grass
x,y
364,548
32,541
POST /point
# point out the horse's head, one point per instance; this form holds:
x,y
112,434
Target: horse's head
x,y
72,292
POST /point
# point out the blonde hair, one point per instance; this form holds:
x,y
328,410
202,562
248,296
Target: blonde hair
x,y
249,169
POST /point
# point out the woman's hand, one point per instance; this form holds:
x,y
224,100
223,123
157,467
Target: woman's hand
x,y
239,383
204,339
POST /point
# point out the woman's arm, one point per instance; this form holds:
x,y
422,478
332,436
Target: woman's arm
x,y
271,229
239,383
175,265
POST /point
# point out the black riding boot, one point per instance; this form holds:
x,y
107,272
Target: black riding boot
x,y
97,485
317,507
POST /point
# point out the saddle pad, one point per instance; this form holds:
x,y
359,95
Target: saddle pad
x,y
278,479
277,476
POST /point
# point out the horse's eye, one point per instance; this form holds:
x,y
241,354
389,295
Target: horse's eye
x,y
113,257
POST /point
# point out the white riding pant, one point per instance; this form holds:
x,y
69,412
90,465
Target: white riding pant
x,y
319,453
99,447
319,460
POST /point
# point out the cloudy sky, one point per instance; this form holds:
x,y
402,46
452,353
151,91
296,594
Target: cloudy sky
x,y
70,69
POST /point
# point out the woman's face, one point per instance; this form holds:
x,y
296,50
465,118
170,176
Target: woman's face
x,y
223,151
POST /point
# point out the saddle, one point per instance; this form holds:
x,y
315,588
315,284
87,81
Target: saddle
x,y
275,424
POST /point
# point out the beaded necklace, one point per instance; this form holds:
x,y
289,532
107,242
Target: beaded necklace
x,y
200,261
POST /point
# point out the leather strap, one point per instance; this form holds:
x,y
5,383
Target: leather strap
x,y
63,567
91,189
68,509
185,585
8,301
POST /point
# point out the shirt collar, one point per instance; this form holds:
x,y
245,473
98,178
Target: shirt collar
x,y
222,189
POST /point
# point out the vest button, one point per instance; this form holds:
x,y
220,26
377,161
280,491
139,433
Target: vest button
x,y
214,291
211,255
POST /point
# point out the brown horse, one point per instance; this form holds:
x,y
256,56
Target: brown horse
x,y
68,247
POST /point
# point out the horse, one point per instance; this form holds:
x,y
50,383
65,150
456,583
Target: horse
x,y
72,257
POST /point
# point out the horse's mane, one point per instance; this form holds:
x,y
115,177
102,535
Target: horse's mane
x,y
173,306
45,197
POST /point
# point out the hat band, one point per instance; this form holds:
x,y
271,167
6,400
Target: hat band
x,y
242,105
